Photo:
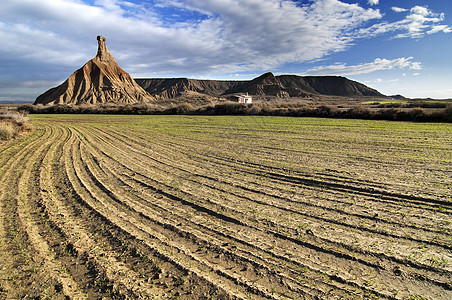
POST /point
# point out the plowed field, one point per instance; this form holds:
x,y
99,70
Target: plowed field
x,y
226,207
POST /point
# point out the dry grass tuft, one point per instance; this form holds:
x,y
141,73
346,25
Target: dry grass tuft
x,y
7,130
12,124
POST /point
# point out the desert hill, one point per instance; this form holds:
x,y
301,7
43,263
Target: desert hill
x,y
282,86
100,80
166,88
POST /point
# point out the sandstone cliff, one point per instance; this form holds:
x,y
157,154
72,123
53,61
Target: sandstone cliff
x,y
100,80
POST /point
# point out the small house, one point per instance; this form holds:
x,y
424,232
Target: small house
x,y
244,98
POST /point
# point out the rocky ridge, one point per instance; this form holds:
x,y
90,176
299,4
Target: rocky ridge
x,y
282,86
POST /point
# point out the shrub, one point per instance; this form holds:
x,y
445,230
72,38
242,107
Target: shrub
x,y
230,108
388,114
13,123
7,130
326,111
181,109
419,114
359,112
26,127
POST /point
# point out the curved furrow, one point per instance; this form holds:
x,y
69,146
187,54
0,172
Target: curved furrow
x,y
170,227
11,158
321,219
225,207
123,276
162,238
416,233
355,159
192,141
377,220
340,183
372,218
7,148
171,144
78,248
95,236
414,264
121,217
29,182
14,260
346,185
299,241
249,182
34,258
291,192
170,196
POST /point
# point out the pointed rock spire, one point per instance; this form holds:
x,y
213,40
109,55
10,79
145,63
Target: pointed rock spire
x,y
102,51
100,80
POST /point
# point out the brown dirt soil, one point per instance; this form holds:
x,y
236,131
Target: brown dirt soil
x,y
171,207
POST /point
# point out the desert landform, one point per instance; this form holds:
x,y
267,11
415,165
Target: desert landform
x,y
102,86
188,195
101,80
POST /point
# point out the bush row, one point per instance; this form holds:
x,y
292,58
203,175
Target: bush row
x,y
357,112
268,109
416,104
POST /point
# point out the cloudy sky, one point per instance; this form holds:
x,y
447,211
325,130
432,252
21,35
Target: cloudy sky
x,y
398,47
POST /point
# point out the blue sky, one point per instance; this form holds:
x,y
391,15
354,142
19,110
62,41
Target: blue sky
x,y
398,47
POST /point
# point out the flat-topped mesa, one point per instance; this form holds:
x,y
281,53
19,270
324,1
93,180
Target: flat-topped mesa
x,y
102,51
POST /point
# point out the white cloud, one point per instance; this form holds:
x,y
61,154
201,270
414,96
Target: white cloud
x,y
419,22
377,65
398,9
112,6
284,32
63,31
420,10
379,80
373,2
48,39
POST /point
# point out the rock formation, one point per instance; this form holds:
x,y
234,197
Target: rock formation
x,y
100,80
282,86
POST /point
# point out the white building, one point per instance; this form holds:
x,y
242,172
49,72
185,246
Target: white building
x,y
244,98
